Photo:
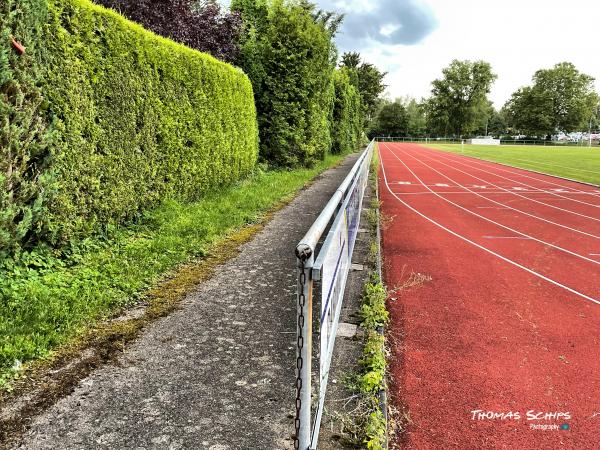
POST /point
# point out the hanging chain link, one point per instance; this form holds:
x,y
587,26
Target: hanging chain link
x,y
300,346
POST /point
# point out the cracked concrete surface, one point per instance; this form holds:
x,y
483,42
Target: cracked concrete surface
x,y
217,374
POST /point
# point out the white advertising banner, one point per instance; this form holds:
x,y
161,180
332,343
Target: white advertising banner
x,y
335,270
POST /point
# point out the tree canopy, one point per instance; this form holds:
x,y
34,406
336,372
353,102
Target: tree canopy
x,y
560,99
289,55
392,120
200,24
367,78
459,97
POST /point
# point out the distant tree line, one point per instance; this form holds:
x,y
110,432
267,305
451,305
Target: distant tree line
x,y
560,99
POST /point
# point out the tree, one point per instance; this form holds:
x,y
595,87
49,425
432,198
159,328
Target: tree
x,y
458,99
351,60
497,125
560,99
200,24
368,79
289,55
347,120
392,120
417,123
26,132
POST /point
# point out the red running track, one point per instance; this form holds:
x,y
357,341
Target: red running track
x,y
509,322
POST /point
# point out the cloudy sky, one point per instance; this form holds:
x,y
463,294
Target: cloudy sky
x,y
414,39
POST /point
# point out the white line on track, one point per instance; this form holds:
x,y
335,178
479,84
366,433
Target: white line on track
x,y
491,192
499,203
516,193
482,162
577,255
505,237
497,255
475,158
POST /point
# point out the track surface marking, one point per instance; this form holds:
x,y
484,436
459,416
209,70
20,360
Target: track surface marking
x,y
467,162
509,320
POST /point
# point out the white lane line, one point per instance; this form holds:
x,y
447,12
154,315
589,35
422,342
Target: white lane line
x,y
482,162
506,237
503,258
453,157
577,255
496,192
439,156
494,163
492,207
496,202
594,254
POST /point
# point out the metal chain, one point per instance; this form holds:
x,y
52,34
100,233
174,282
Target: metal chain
x,y
299,360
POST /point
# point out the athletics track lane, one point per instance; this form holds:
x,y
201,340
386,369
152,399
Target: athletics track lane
x,y
490,331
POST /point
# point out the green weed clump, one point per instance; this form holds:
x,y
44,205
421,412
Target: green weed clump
x,y
102,120
371,380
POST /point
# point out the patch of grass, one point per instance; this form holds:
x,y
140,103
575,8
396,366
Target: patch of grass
x,y
577,163
48,299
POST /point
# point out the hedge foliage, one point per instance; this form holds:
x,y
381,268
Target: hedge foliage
x,y
25,181
289,55
102,119
347,120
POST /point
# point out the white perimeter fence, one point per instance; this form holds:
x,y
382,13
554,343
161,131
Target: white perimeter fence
x,y
327,267
451,140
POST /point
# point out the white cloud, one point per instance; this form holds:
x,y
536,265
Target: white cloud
x,y
388,22
517,37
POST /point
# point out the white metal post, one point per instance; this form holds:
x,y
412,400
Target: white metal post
x,y
304,351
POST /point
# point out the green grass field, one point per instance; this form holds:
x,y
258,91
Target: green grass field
x,y
577,163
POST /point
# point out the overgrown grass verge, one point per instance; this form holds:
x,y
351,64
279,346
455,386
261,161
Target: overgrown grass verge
x,y
372,381
48,299
365,426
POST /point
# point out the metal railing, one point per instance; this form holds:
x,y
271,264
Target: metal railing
x,y
329,265
451,140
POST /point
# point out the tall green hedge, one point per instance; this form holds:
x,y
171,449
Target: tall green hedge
x,y
25,181
289,55
347,120
119,118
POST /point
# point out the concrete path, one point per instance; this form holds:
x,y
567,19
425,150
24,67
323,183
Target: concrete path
x,y
217,374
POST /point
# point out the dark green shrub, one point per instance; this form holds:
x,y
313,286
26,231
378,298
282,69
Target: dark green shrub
x,y
346,129
288,54
135,119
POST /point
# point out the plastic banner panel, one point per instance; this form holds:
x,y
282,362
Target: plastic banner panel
x,y
335,272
